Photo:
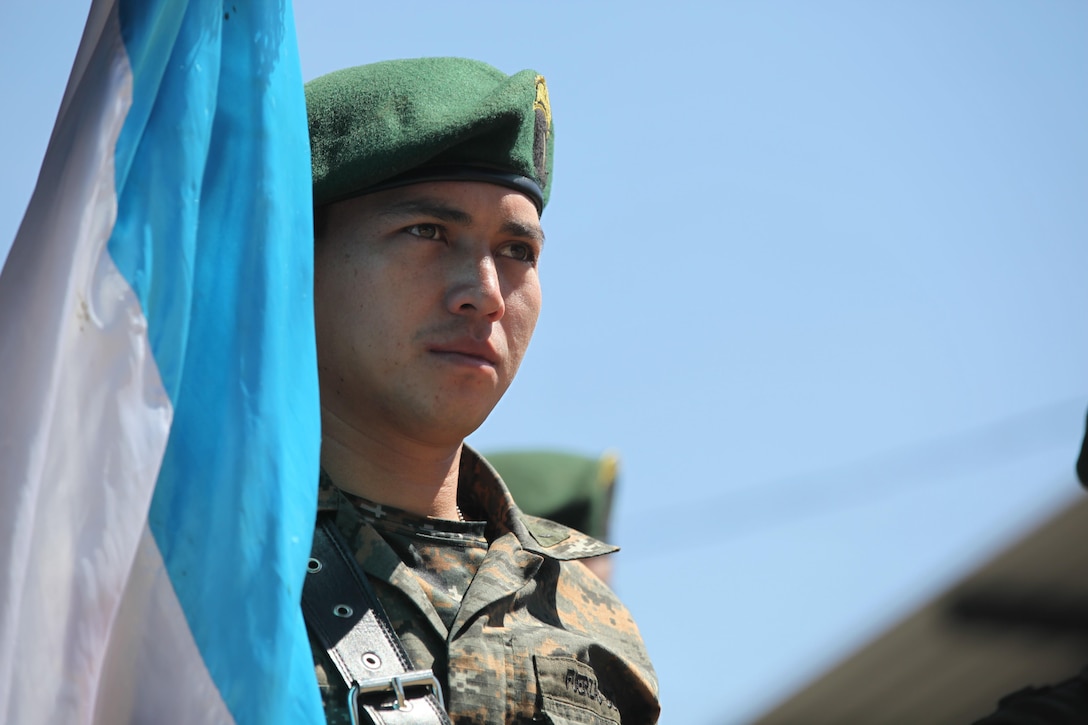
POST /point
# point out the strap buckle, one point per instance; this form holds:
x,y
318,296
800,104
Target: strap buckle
x,y
395,684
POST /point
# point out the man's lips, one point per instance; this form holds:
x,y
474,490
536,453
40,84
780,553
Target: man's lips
x,y
480,351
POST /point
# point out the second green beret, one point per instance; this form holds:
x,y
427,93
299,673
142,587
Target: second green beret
x,y
569,488
428,119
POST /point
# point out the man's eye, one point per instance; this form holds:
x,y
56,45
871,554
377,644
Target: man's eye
x,y
425,231
520,251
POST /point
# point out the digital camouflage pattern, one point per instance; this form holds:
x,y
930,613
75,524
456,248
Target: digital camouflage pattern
x,y
514,626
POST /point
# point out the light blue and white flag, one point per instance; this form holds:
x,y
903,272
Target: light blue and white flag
x,y
159,422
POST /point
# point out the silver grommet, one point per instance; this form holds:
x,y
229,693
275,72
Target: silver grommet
x,y
342,610
371,661
313,566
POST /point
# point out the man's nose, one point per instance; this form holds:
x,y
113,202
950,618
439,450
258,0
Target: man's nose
x,y
475,288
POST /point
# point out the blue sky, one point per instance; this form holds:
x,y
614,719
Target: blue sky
x,y
815,270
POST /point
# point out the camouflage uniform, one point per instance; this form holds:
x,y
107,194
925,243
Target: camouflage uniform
x,y
515,628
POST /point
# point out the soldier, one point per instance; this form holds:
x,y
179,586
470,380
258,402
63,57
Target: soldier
x,y
429,179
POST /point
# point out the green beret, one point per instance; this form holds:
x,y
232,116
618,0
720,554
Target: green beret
x,y
398,122
572,489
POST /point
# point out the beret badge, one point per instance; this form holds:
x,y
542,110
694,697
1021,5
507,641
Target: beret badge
x,y
543,109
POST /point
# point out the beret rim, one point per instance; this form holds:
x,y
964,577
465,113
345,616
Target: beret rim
x,y
451,172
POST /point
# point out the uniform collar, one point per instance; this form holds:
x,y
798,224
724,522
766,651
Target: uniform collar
x,y
486,489
482,493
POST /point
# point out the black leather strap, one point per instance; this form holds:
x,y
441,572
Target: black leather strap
x,y
344,613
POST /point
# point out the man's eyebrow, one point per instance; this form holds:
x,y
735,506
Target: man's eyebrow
x,y
426,207
517,229
444,211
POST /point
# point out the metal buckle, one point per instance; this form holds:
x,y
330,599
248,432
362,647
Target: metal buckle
x,y
396,685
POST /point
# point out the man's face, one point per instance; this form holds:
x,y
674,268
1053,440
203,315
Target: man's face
x,y
426,297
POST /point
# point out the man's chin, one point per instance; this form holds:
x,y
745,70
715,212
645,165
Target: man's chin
x,y
452,421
